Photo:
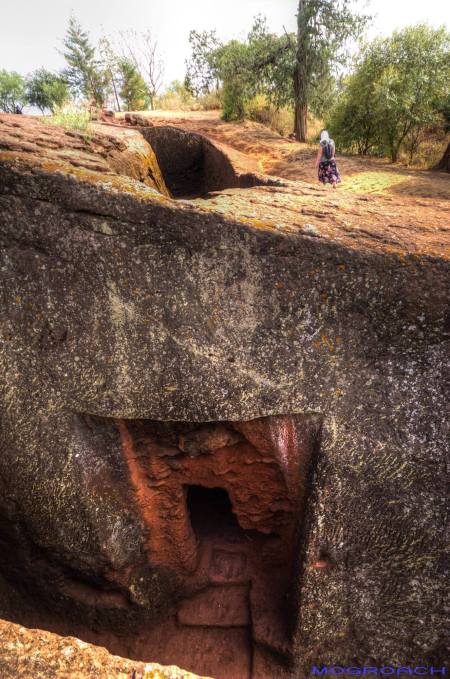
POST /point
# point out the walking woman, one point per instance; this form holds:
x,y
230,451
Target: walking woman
x,y
326,161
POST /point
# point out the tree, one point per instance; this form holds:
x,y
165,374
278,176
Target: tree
x,y
142,51
268,64
234,70
413,81
398,91
261,64
46,90
12,92
84,73
444,163
324,28
133,88
355,121
202,75
110,62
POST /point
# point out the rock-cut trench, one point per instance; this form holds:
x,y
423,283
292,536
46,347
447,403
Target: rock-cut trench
x,y
192,165
224,503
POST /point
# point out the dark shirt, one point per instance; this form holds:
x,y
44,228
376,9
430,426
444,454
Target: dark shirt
x,y
323,158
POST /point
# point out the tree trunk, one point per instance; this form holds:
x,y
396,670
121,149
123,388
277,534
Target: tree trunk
x,y
115,91
301,124
444,163
300,81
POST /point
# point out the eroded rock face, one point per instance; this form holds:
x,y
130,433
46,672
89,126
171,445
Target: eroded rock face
x,y
119,303
107,154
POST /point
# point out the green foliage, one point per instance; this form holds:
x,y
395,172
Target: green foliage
x,y
46,90
70,119
271,63
266,63
201,69
133,89
263,64
12,92
234,61
324,30
353,121
84,73
398,90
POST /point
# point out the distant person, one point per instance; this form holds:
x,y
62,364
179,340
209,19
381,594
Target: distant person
x,y
326,161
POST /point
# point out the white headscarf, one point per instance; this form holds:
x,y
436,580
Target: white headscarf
x,y
324,137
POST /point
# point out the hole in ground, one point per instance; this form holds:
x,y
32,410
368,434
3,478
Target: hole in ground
x,y
191,165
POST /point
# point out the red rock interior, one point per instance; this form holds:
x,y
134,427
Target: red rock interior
x,y
223,503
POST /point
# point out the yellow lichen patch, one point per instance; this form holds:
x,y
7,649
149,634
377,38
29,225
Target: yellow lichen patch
x,y
258,223
327,343
108,181
375,182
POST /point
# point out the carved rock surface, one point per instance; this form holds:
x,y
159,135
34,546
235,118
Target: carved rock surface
x,y
119,303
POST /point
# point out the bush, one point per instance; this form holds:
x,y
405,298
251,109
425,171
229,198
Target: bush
x,y
13,96
396,93
234,101
425,150
69,118
176,98
280,120
210,102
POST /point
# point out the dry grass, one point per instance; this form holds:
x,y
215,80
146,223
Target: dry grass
x,y
429,152
183,101
69,118
280,120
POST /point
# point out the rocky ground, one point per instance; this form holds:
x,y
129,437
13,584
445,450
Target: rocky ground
x,y
35,654
275,296
376,202
286,158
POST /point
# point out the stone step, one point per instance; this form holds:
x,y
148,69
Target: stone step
x,y
217,606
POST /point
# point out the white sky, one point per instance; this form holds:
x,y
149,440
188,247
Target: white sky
x,y
32,30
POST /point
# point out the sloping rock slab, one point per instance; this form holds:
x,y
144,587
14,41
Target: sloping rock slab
x,y
26,653
106,150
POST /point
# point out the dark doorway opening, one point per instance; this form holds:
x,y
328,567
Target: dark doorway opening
x,y
211,511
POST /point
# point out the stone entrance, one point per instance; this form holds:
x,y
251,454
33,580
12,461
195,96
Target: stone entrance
x,y
223,503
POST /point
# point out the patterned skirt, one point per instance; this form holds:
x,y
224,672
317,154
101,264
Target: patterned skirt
x,y
328,172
